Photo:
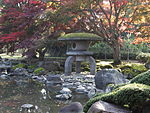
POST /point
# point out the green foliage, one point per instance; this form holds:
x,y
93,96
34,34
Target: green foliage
x,y
143,57
128,50
19,66
39,70
143,78
132,69
131,95
81,35
101,50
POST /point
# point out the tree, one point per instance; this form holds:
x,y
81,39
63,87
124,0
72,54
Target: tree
x,y
18,23
141,21
25,23
110,19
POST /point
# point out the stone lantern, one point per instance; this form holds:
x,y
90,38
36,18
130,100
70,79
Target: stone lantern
x,y
79,51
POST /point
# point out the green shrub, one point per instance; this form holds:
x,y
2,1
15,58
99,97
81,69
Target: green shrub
x,y
19,66
133,70
132,95
143,78
143,57
39,70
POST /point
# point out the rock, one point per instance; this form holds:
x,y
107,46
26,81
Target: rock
x,y
54,79
41,79
20,72
81,89
65,91
63,96
40,64
91,93
68,85
3,76
147,65
27,106
146,107
74,107
108,89
51,66
104,107
108,76
4,66
77,84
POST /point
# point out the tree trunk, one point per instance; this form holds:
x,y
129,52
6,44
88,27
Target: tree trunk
x,y
116,54
42,53
41,56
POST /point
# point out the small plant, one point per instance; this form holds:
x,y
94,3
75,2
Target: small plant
x,y
19,66
39,70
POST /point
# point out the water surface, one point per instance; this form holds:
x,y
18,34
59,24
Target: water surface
x,y
19,91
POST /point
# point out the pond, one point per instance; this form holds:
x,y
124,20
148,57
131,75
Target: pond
x,y
18,91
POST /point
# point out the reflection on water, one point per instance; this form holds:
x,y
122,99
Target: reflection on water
x,y
15,93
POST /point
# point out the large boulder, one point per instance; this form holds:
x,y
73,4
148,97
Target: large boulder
x,y
104,107
108,76
74,107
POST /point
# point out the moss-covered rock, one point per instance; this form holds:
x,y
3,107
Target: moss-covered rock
x,y
132,70
39,70
19,66
143,78
132,95
143,57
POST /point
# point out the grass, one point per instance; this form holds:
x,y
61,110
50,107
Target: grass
x,y
15,56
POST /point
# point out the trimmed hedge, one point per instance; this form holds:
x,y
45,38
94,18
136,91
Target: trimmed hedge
x,y
143,78
131,95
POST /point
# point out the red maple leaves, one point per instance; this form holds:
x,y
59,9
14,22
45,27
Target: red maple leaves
x,y
17,17
11,37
